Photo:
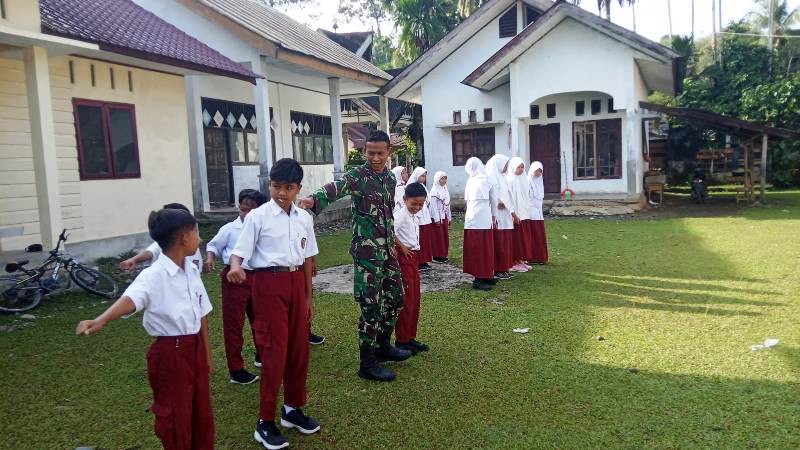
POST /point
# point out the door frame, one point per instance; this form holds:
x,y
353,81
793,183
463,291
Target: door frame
x,y
560,156
228,162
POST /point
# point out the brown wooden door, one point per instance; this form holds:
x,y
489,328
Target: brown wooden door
x,y
546,147
218,168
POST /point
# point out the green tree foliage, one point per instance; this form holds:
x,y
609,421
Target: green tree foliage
x,y
421,23
368,10
382,52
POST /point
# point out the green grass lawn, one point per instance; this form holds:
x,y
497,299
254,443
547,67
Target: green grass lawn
x,y
679,300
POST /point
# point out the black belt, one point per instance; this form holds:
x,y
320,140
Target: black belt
x,y
228,267
278,269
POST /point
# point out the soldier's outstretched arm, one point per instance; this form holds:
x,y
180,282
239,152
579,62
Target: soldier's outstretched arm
x,y
324,196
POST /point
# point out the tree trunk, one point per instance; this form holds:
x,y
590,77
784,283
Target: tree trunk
x,y
721,37
714,31
692,21
633,13
669,18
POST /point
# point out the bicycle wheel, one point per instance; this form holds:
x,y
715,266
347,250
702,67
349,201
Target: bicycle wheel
x,y
19,295
93,280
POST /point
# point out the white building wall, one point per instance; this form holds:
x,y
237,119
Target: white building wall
x,y
443,93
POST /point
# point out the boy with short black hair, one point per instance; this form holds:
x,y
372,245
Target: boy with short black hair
x,y
407,245
175,305
277,240
236,298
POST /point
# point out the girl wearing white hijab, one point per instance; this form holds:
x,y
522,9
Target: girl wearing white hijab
x,y
506,217
401,175
420,175
439,201
520,201
479,221
538,235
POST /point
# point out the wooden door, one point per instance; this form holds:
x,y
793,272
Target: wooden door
x,y
546,147
218,168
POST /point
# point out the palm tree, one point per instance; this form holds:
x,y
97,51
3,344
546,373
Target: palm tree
x,y
466,7
692,21
421,23
606,5
669,17
783,19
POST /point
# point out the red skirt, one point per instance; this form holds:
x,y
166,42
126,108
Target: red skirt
x,y
539,243
503,250
440,243
425,243
523,242
479,253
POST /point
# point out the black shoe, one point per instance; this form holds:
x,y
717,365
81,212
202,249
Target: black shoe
x,y
441,260
313,339
386,352
296,419
491,282
257,361
268,435
425,267
243,377
370,368
419,345
481,285
406,346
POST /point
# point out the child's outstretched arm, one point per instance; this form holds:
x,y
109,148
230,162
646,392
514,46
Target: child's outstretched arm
x,y
141,257
122,307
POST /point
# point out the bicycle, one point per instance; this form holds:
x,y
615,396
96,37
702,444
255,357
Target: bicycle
x,y
25,289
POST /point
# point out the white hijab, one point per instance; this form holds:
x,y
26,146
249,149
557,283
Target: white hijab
x,y
477,187
414,178
439,191
494,168
520,196
537,183
398,174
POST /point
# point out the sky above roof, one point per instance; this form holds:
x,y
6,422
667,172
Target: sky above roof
x,y
651,16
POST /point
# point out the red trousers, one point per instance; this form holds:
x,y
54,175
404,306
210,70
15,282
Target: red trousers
x,y
503,250
523,244
479,253
539,243
440,240
280,324
406,328
425,243
236,305
177,368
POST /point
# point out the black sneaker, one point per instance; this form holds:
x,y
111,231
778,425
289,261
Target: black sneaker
x,y
296,419
268,435
313,339
419,345
425,267
406,346
481,285
243,377
441,260
257,361
503,276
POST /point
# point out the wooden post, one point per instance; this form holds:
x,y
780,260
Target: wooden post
x,y
336,127
764,147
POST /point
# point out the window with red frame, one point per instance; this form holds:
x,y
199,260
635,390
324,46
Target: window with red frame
x,y
107,144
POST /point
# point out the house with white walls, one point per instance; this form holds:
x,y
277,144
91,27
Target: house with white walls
x,y
304,76
93,123
544,81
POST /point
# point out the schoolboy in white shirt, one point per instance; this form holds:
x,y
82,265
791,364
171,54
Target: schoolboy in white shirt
x,y
175,305
278,241
236,298
406,228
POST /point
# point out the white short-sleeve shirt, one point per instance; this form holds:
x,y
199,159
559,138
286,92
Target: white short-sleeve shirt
x,y
272,238
406,228
173,298
223,242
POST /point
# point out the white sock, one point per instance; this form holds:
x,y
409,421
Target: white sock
x,y
288,408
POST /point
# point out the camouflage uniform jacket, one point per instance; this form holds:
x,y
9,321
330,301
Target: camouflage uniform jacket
x,y
372,200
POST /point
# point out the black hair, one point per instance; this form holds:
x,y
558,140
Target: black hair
x,y
259,198
245,194
179,206
379,136
167,224
286,170
414,190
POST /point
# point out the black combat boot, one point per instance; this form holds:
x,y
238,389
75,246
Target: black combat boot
x,y
387,352
370,368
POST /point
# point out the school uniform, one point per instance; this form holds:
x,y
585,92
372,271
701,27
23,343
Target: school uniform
x,y
174,301
538,234
425,221
155,250
406,227
520,200
236,298
399,189
504,233
439,206
478,232
276,245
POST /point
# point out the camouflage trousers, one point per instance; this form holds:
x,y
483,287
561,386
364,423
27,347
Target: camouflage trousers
x,y
378,289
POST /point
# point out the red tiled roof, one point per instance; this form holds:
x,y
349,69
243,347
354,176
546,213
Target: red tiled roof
x,y
121,26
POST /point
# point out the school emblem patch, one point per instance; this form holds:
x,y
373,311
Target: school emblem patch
x,y
303,243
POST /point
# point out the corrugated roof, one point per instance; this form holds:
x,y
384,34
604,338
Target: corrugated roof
x,y
121,26
290,34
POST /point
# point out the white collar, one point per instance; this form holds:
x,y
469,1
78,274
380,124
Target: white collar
x,y
275,209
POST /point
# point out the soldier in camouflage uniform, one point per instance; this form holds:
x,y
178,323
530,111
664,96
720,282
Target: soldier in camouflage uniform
x,y
378,284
